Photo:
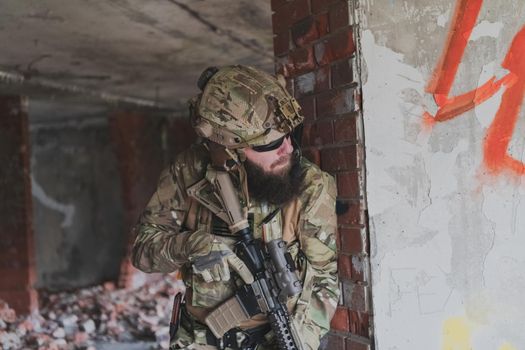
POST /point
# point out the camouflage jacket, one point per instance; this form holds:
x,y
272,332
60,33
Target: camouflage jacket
x,y
308,224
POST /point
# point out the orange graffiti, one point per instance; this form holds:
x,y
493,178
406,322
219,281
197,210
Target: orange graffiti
x,y
499,134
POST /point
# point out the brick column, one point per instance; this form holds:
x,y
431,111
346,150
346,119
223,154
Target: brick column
x,y
144,146
17,262
315,50
136,142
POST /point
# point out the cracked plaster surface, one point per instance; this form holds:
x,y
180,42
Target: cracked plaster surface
x,y
444,236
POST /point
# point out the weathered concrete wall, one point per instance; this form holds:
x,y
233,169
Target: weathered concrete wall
x,y
443,84
78,215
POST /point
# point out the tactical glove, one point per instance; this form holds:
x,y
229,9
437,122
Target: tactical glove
x,y
212,259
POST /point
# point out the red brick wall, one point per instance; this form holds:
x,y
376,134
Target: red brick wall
x,y
17,261
315,50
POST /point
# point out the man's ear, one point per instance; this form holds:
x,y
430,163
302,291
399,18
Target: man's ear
x,y
281,80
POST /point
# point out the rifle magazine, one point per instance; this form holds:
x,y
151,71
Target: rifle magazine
x,y
227,316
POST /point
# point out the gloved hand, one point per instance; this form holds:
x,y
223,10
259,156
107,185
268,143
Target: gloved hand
x,y
212,259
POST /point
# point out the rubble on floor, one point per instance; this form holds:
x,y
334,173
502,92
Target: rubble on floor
x,y
75,320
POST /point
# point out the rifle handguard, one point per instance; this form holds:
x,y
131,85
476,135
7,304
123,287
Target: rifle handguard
x,y
285,276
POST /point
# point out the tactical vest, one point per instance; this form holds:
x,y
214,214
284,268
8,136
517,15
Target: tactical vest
x,y
203,296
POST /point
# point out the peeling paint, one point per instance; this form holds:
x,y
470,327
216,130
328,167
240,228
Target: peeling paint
x,y
305,83
443,18
486,29
357,263
345,104
67,210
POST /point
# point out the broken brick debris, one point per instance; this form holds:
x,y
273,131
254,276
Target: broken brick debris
x,y
77,320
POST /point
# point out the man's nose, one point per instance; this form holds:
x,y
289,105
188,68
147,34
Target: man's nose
x,y
287,147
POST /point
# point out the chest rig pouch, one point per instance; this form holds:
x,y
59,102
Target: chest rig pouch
x,y
230,210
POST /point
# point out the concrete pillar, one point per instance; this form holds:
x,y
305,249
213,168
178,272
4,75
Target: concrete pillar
x,y
314,47
17,267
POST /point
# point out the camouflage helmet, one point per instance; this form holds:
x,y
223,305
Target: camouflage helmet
x,y
242,106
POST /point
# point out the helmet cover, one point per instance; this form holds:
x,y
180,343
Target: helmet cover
x,y
242,106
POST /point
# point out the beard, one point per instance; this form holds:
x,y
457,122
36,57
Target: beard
x,y
278,188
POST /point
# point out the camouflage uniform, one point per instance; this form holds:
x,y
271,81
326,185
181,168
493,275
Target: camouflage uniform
x,y
307,223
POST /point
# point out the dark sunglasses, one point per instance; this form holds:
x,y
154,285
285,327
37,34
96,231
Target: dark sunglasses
x,y
270,146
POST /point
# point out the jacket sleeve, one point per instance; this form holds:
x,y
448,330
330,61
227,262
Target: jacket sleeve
x,y
161,243
318,301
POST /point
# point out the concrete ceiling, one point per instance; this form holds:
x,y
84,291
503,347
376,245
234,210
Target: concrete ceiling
x,y
135,52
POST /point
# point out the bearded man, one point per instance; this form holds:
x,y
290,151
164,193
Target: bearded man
x,y
246,120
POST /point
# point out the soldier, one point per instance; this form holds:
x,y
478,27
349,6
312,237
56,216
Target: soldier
x,y
251,116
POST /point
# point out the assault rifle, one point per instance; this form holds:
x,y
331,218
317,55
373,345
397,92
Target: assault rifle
x,y
271,265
